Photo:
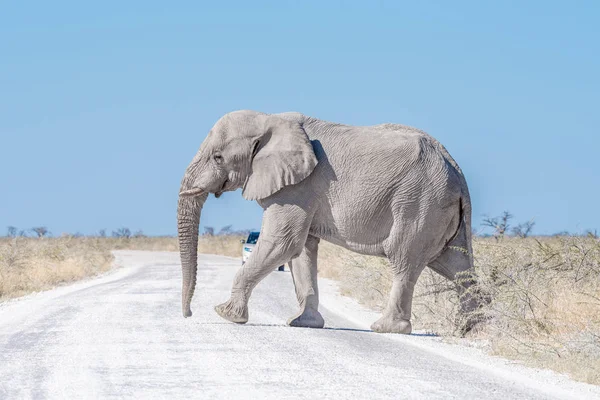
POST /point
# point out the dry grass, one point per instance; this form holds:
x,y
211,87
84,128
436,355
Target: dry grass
x,y
545,307
221,245
29,265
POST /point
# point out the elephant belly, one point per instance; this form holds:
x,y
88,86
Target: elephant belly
x,y
361,226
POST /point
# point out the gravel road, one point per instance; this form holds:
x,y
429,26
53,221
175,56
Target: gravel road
x,y
122,336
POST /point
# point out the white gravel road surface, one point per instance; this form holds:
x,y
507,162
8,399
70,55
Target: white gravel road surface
x,y
122,336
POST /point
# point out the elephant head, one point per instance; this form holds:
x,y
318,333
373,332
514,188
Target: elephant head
x,y
258,152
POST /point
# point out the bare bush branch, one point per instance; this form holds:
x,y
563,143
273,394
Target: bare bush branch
x,y
11,231
40,231
226,230
123,233
523,230
499,224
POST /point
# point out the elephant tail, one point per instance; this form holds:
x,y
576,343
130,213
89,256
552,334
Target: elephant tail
x,y
464,234
465,207
465,230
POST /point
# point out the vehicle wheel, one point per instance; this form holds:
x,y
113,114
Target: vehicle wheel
x,y
281,268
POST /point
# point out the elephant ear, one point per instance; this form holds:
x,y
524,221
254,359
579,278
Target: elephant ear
x,y
281,156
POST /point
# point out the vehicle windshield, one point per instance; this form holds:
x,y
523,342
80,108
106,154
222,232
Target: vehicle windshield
x,y
252,238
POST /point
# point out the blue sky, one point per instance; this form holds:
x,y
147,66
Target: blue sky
x,y
103,106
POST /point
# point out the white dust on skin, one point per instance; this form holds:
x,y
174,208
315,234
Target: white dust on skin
x,y
122,335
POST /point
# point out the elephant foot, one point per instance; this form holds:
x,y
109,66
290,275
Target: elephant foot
x,y
307,318
232,311
391,325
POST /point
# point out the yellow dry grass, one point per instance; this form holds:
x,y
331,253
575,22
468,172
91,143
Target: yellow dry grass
x,y
545,298
221,245
29,265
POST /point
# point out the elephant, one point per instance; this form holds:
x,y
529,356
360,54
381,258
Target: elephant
x,y
385,190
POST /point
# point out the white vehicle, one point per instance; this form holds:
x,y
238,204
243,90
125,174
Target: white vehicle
x,y
248,246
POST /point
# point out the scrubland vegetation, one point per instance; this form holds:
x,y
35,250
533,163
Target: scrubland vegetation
x,y
545,298
544,291
31,264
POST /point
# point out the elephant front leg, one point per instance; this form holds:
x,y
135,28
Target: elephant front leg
x,y
304,274
264,259
284,233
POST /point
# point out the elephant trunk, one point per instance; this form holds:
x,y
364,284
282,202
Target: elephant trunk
x,y
188,220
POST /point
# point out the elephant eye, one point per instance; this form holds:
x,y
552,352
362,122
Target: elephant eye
x,y
218,158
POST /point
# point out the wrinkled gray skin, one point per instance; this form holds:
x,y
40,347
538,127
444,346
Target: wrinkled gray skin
x,y
387,190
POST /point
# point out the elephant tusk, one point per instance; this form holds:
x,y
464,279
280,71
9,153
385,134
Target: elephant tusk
x,y
191,192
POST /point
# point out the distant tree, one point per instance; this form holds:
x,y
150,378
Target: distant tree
x,y
226,230
593,234
102,233
40,231
209,231
523,230
11,231
242,232
123,233
139,234
499,224
562,233
77,235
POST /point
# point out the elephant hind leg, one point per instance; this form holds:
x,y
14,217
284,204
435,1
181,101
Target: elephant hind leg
x,y
411,244
304,275
455,264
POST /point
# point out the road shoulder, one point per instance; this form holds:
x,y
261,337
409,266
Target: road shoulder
x,y
464,351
